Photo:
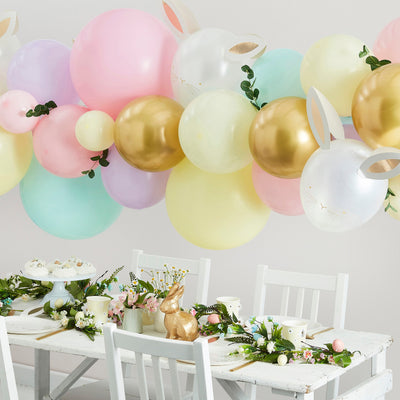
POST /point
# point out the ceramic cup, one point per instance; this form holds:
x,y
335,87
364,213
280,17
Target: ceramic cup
x,y
98,305
295,331
232,304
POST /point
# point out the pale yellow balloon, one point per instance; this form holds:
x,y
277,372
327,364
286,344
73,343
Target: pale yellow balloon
x,y
333,66
214,131
214,211
95,130
15,156
392,203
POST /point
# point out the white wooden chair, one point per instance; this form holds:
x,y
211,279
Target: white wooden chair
x,y
302,282
9,388
199,268
173,350
7,377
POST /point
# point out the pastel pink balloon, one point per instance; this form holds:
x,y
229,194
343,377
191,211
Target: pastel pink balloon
x,y
351,133
14,105
56,146
279,194
120,55
387,43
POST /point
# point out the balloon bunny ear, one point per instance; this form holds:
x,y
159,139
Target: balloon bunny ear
x,y
180,19
246,47
8,24
384,163
323,119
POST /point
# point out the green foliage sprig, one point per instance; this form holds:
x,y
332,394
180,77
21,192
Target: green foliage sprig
x,y
372,61
389,195
71,316
41,109
101,159
247,86
17,285
226,324
82,289
260,345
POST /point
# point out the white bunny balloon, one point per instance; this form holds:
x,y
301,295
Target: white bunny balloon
x,y
9,44
339,191
207,59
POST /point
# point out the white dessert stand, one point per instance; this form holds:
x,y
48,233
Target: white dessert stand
x,y
58,291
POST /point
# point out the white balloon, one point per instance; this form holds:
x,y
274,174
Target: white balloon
x,y
203,62
335,194
214,131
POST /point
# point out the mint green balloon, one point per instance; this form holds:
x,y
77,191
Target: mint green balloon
x,y
70,208
277,74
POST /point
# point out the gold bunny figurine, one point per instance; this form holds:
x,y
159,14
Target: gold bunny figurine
x,y
180,325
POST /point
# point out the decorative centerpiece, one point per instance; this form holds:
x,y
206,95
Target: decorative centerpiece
x,y
136,298
180,325
73,269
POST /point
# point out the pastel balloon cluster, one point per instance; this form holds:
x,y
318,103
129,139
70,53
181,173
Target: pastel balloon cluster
x,y
224,144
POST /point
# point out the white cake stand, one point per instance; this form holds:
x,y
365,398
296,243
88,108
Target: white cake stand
x,y
58,291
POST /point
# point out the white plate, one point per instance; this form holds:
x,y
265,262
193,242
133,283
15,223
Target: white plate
x,y
52,278
24,325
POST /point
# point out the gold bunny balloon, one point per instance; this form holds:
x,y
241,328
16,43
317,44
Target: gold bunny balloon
x,y
180,325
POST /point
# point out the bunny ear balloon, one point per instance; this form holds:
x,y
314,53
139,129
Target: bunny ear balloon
x,y
336,195
9,44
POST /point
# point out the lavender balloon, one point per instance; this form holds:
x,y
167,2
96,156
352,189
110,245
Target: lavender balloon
x,y
41,68
132,187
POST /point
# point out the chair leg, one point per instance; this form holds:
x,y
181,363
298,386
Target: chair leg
x,y
250,391
332,389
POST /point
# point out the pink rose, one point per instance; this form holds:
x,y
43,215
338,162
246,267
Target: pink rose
x,y
337,345
193,312
214,319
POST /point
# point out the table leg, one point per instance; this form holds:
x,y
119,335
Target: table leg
x,y
378,364
42,374
232,389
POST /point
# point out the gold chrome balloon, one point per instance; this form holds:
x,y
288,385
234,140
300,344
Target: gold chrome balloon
x,y
281,139
146,133
376,107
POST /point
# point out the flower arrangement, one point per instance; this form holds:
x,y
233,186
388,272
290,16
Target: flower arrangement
x,y
260,345
73,316
5,306
138,294
160,282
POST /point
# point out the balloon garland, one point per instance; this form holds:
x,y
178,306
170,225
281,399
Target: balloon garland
x,y
225,130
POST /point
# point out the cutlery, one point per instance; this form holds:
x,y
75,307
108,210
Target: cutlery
x,y
311,336
50,334
242,366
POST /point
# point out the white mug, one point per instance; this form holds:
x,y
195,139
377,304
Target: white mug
x,y
232,304
295,331
98,306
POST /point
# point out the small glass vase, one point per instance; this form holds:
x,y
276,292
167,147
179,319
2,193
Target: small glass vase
x,y
133,320
159,321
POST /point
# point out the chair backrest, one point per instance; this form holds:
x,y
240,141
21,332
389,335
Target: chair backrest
x,y
142,345
199,268
7,377
302,282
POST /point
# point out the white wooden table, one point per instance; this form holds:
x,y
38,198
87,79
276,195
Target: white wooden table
x,y
298,380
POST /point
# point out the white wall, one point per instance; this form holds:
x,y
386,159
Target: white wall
x,y
370,254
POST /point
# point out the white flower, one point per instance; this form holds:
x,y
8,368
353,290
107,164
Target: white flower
x,y
25,297
63,313
80,323
270,347
64,321
58,303
260,341
55,315
79,315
